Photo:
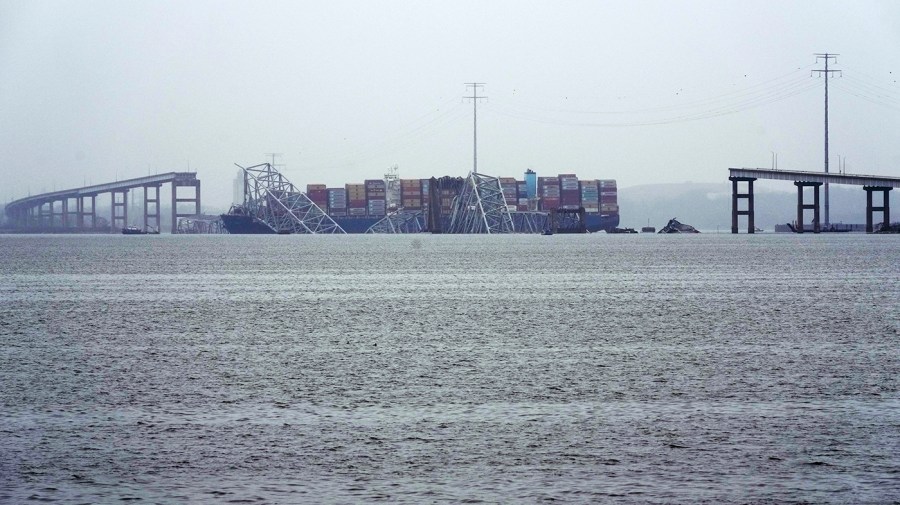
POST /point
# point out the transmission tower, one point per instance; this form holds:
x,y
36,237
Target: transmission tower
x,y
475,86
827,57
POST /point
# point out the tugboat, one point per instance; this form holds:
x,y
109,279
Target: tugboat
x,y
133,230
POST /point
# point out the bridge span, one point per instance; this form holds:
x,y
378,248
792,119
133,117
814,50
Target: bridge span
x,y
55,211
803,179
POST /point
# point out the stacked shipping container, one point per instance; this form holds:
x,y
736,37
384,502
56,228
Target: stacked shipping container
x,y
590,196
411,194
337,201
376,192
510,188
608,197
564,191
569,191
521,195
426,194
319,197
356,199
548,191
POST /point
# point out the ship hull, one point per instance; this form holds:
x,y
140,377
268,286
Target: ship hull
x,y
238,224
355,224
601,222
241,225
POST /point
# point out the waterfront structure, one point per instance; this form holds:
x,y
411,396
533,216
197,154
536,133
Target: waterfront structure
x,y
55,211
803,179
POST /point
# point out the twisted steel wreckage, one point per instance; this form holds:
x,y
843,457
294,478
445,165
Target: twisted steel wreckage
x,y
272,204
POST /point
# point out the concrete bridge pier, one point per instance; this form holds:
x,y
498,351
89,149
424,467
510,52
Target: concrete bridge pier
x,y
801,206
83,213
70,218
119,209
22,217
176,200
79,212
885,207
151,207
735,196
55,217
45,217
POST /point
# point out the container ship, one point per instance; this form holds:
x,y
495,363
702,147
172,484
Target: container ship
x,y
356,207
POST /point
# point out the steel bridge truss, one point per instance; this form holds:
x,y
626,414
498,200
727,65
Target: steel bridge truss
x,y
275,201
400,221
531,221
480,207
200,224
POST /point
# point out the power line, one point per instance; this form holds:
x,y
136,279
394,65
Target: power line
x,y
771,96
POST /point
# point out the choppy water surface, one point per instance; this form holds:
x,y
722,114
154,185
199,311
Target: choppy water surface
x,y
658,369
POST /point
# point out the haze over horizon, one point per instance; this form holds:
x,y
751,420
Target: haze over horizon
x,y
641,92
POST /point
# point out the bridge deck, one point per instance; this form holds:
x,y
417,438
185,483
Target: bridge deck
x,y
804,176
151,180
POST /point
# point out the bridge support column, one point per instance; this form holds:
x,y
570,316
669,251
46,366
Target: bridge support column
x,y
885,207
54,222
79,212
45,219
92,213
151,207
65,213
119,211
176,200
801,206
735,197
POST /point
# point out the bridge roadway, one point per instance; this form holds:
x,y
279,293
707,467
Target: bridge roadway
x,y
803,179
38,213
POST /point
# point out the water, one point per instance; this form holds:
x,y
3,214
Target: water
x,y
419,369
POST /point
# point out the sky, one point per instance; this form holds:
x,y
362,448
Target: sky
x,y
638,91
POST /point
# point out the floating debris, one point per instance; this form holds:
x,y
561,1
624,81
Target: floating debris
x,y
676,227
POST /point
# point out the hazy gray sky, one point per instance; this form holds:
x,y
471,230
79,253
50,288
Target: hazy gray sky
x,y
639,91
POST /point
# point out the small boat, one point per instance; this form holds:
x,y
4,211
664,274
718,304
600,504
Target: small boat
x,y
547,232
133,230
